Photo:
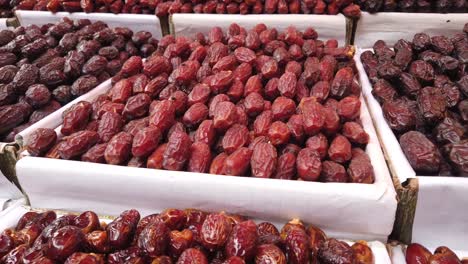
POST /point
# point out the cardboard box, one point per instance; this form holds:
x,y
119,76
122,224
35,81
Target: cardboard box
x,y
10,217
327,26
429,210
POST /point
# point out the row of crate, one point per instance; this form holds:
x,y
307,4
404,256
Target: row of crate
x,y
399,200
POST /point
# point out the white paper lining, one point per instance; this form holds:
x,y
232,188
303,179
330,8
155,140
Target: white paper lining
x,y
135,22
10,217
3,24
391,27
327,26
438,219
358,211
8,190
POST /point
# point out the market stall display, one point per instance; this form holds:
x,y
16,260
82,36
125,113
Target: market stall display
x,y
242,108
217,193
278,141
421,86
409,6
418,192
45,67
164,8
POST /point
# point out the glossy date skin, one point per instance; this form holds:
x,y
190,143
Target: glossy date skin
x,y
230,103
178,236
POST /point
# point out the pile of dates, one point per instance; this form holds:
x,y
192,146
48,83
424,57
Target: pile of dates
x,y
244,7
420,6
6,9
258,103
416,253
423,88
174,236
163,8
42,68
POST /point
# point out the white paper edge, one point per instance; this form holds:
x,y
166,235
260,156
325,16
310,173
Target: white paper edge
x,y
392,26
327,26
136,22
8,219
397,254
8,191
390,144
3,23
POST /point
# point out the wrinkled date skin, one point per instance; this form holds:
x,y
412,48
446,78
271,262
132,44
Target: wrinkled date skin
x,y
110,124
423,94
200,157
420,152
308,164
238,162
177,151
76,118
263,161
41,141
77,144
146,141
13,115
119,148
